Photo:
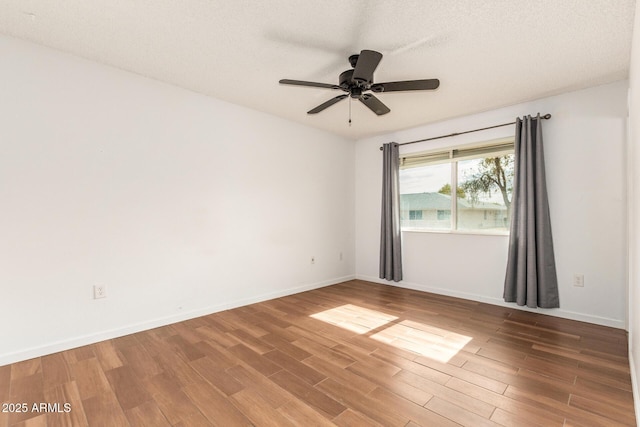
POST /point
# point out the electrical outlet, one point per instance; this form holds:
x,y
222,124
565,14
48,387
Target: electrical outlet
x,y
99,291
578,280
313,259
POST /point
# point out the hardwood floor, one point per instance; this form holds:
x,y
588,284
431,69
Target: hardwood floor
x,y
353,354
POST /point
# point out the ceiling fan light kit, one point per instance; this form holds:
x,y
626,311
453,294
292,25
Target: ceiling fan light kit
x,y
357,81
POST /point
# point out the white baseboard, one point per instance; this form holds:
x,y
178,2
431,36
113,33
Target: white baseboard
x,y
74,342
604,321
634,385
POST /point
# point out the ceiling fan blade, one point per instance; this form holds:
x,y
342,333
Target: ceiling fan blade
x,y
367,63
428,84
327,104
374,104
310,84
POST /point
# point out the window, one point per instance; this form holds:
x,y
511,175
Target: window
x,y
442,214
413,215
481,178
419,192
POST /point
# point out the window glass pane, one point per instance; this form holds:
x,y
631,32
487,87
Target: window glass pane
x,y
484,193
425,197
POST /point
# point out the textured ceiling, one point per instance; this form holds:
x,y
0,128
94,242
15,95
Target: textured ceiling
x,y
487,54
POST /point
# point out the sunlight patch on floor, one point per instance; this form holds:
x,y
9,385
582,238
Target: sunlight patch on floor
x,y
354,318
435,343
429,341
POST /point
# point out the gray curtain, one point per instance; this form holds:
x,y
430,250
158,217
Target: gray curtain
x,y
531,269
390,237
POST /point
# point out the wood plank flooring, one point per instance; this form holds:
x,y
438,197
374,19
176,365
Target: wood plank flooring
x,y
352,354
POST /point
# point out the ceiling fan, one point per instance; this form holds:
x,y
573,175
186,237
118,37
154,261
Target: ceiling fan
x,y
359,80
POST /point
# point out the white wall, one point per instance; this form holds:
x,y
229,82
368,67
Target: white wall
x,y
634,214
586,173
180,204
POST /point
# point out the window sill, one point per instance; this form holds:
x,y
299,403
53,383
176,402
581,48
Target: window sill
x,y
460,232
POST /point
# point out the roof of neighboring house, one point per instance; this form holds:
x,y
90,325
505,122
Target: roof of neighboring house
x,y
424,201
432,201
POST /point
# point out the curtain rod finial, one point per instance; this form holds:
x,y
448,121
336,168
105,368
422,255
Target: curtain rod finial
x,y
382,148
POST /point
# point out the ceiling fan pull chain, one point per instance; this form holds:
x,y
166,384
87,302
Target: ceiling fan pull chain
x,y
349,111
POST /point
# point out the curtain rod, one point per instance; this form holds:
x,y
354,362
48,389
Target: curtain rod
x,y
546,117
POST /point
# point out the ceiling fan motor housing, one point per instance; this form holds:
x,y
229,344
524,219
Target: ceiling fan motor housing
x,y
354,87
345,79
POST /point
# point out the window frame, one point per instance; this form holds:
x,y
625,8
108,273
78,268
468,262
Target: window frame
x,y
491,148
